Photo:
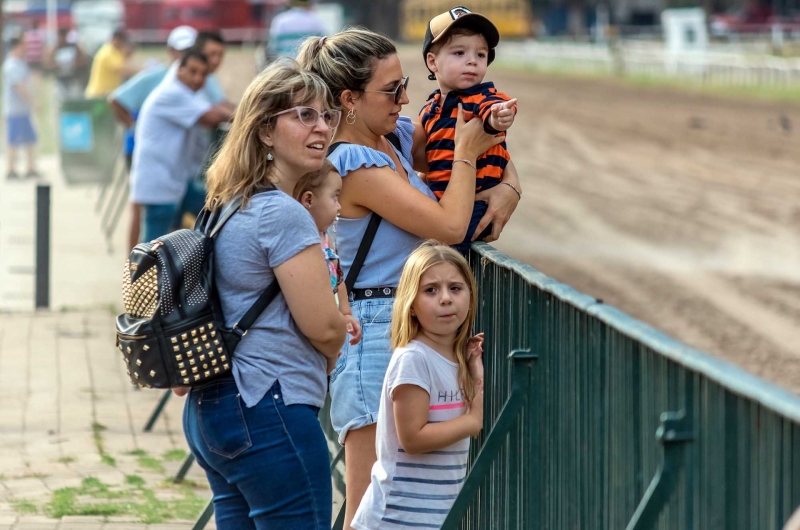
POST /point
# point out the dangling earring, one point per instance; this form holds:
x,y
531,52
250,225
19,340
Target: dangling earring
x,y
269,156
351,117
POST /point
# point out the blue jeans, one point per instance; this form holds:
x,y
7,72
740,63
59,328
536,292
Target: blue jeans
x,y
161,219
268,466
357,380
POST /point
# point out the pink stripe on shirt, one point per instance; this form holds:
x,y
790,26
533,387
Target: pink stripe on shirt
x,y
447,406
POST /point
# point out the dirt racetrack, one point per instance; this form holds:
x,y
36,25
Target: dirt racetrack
x,y
681,209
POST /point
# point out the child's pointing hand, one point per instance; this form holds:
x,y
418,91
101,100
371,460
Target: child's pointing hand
x,y
503,114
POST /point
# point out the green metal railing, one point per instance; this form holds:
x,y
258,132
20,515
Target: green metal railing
x,y
596,421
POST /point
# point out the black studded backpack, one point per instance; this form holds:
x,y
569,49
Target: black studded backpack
x,y
172,332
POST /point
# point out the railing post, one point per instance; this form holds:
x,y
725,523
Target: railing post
x,y
520,387
205,517
674,433
42,246
185,465
157,411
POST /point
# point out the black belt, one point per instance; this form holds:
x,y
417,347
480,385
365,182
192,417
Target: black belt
x,y
372,292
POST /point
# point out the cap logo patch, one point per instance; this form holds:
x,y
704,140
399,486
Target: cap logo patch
x,y
459,11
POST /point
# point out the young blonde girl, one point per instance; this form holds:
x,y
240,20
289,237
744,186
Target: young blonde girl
x,y
432,397
318,191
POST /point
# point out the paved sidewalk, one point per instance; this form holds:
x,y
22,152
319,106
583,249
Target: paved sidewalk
x,y
73,454
71,440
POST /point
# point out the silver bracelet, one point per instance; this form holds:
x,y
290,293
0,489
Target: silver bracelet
x,y
512,187
467,162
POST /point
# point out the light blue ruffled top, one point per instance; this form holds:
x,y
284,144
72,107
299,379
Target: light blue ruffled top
x,y
392,245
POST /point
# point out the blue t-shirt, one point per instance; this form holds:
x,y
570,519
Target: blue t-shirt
x,y
15,73
133,93
270,230
392,245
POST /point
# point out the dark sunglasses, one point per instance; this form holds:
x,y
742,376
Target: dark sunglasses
x,y
397,92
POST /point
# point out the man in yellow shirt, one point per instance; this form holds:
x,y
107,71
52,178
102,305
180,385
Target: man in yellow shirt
x,y
109,67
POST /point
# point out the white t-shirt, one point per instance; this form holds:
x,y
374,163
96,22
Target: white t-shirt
x,y
290,28
166,136
415,491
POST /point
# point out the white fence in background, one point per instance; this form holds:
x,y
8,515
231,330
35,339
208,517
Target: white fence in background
x,y
722,64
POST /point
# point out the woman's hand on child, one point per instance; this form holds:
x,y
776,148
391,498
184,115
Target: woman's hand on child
x,y
471,141
502,117
353,329
501,202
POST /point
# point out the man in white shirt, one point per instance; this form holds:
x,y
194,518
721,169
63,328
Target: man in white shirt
x,y
164,156
290,28
127,101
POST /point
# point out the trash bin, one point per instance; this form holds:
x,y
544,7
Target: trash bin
x,y
90,141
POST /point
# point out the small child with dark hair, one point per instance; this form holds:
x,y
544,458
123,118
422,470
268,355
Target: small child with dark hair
x,y
319,192
459,46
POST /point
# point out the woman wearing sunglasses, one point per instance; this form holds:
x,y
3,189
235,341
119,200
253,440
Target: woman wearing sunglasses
x,y
256,433
364,74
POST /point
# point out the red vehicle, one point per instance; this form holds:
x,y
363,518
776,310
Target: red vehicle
x,y
150,20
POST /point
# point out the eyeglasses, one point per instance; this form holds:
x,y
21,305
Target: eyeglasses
x,y
397,92
309,116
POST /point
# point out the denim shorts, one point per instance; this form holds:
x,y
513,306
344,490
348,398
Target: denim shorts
x,y
268,465
357,380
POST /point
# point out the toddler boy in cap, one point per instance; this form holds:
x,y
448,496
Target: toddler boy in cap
x,y
459,46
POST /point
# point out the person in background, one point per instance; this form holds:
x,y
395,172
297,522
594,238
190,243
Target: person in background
x,y
110,66
290,28
17,109
34,39
127,101
211,44
65,60
163,163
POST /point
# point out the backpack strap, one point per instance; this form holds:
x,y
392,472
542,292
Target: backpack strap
x,y
363,249
266,297
394,140
225,215
269,294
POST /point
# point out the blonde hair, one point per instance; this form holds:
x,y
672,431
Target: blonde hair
x,y
313,180
346,61
405,326
241,168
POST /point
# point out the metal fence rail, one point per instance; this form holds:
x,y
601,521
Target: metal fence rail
x,y
614,425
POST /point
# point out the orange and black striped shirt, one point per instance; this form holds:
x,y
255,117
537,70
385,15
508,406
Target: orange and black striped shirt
x,y
438,117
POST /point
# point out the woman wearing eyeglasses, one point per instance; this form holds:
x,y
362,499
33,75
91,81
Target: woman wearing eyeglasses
x,y
364,74
256,434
